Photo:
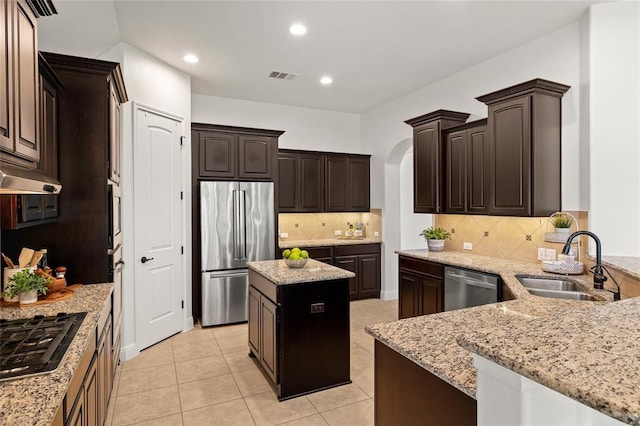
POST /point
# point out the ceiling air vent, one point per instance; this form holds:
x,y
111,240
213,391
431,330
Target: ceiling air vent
x,y
279,75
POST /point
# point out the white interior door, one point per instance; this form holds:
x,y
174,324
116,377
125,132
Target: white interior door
x,y
158,226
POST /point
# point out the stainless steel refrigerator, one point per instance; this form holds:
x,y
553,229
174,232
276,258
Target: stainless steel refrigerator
x,y
237,226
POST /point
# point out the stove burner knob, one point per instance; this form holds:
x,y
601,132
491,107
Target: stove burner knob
x,y
38,317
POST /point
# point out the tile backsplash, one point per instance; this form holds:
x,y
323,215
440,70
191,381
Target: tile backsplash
x,y
516,238
317,226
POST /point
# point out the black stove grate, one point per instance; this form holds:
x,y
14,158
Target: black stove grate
x,y
36,345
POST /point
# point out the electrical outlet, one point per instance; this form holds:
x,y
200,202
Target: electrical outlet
x,y
542,253
337,233
376,234
467,246
550,254
284,235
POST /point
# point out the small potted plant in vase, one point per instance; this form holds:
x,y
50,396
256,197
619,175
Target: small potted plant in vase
x,y
435,237
562,224
26,285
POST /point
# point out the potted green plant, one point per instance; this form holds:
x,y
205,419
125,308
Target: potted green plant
x,y
435,237
26,285
562,223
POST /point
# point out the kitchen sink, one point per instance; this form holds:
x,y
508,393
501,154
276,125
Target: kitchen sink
x,y
554,288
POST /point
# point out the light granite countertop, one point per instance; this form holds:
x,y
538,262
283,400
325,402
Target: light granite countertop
x,y
284,244
628,264
279,273
431,341
35,400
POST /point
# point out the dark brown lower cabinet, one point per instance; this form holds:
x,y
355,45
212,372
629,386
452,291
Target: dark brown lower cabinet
x,y
364,261
421,287
407,394
321,254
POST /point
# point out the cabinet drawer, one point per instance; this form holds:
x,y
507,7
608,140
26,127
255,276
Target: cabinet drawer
x,y
263,285
357,249
320,252
423,267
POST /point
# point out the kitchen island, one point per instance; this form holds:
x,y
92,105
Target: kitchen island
x,y
524,332
299,325
39,400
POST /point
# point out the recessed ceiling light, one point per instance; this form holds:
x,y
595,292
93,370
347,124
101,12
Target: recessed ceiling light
x,y
326,80
298,29
192,59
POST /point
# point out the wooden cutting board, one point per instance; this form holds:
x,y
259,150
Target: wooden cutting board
x,y
65,294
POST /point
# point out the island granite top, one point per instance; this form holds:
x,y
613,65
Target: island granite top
x,y
35,400
279,273
431,340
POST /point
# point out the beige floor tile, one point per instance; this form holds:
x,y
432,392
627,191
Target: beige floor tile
x,y
190,350
230,330
147,379
202,368
158,354
315,420
173,420
360,413
362,339
232,413
193,335
233,343
213,390
146,405
364,379
251,382
360,358
266,410
240,361
337,397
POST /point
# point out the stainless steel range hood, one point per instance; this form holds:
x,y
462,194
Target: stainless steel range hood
x,y
17,180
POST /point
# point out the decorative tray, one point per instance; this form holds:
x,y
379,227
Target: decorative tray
x,y
557,267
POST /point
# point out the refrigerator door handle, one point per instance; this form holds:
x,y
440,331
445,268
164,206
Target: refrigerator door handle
x,y
236,225
233,273
242,225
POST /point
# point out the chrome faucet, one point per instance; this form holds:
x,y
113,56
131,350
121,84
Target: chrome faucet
x,y
598,272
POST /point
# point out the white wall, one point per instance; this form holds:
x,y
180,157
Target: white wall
x,y
305,128
411,224
554,57
153,83
614,126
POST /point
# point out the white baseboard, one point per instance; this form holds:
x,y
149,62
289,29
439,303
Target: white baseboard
x,y
389,295
128,352
188,324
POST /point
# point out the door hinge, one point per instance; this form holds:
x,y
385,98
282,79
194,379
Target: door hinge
x,y
182,138
181,195
181,249
182,304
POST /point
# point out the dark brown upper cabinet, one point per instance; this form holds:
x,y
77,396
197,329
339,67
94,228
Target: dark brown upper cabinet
x,y
524,129
300,181
428,158
467,155
19,211
226,152
347,183
313,181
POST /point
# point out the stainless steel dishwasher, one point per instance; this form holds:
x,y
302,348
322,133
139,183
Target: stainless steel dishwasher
x,y
464,288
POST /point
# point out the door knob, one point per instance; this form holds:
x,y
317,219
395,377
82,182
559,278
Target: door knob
x,y
145,259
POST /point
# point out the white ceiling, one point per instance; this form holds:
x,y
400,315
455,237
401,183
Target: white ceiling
x,y
374,50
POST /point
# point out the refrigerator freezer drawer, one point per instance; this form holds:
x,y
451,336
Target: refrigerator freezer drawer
x,y
224,297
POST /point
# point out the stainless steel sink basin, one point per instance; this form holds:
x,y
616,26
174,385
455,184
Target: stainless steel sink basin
x,y
549,284
554,288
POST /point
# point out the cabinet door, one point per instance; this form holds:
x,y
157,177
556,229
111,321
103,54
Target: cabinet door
x,y
254,321
288,181
256,155
114,135
409,295
477,170
6,84
32,207
510,155
49,142
321,254
369,275
218,153
311,183
105,375
350,263
431,296
358,184
456,167
426,169
337,181
269,346
78,415
92,395
26,82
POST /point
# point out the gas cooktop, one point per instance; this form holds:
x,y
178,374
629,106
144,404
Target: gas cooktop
x,y
35,345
